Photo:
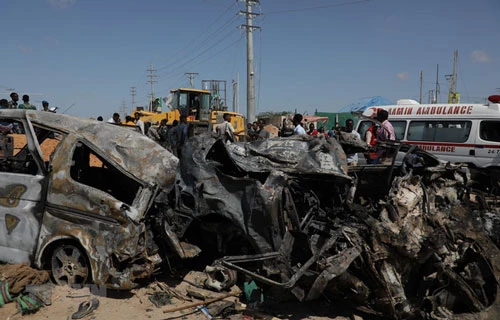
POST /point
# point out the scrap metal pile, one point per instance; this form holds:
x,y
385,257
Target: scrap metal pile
x,y
394,241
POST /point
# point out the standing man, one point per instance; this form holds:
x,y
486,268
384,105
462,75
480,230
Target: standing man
x,y
182,135
163,133
263,133
352,158
371,140
226,130
172,137
138,122
297,122
26,103
14,99
386,130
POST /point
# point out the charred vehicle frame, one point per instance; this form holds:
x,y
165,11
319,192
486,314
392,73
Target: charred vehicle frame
x,y
399,240
77,199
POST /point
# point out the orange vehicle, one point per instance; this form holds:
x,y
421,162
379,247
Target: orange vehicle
x,y
197,105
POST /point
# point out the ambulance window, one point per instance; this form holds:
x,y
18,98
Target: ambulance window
x,y
443,131
399,129
490,131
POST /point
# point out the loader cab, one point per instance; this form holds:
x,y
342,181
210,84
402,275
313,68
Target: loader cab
x,y
193,103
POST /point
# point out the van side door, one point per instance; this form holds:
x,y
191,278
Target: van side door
x,y
22,190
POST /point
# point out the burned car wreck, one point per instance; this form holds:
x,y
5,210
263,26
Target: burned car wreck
x,y
76,198
94,202
403,240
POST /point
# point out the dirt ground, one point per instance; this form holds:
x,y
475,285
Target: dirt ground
x,y
136,304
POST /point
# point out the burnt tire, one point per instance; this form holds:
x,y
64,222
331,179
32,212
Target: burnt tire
x,y
69,265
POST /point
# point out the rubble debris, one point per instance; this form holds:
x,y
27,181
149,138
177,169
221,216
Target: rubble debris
x,y
220,278
160,299
385,239
234,292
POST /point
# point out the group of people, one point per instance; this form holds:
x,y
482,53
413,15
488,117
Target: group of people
x,y
257,130
382,131
14,103
172,137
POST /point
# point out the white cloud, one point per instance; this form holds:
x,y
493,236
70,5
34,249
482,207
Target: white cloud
x,y
402,75
479,56
24,49
62,3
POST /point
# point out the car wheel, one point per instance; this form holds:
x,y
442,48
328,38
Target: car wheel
x,y
69,265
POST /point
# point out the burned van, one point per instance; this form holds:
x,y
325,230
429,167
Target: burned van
x,y
76,197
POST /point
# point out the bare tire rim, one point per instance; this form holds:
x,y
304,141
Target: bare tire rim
x,y
69,265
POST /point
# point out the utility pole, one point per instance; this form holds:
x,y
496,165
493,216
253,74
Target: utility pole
x,y
437,86
238,92
453,96
431,96
250,70
123,108
152,81
234,83
191,76
421,80
132,93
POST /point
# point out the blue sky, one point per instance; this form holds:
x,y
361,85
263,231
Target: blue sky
x,y
85,55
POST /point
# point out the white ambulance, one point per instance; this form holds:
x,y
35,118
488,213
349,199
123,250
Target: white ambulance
x,y
464,133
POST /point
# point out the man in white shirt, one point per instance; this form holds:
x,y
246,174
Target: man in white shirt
x,y
138,122
115,119
226,130
297,122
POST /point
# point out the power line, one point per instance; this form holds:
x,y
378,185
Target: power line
x,y
315,7
182,65
196,41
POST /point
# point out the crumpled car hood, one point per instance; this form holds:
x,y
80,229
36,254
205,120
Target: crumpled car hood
x,y
292,155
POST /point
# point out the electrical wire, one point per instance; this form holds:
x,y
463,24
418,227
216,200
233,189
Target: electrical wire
x,y
315,7
182,65
196,39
